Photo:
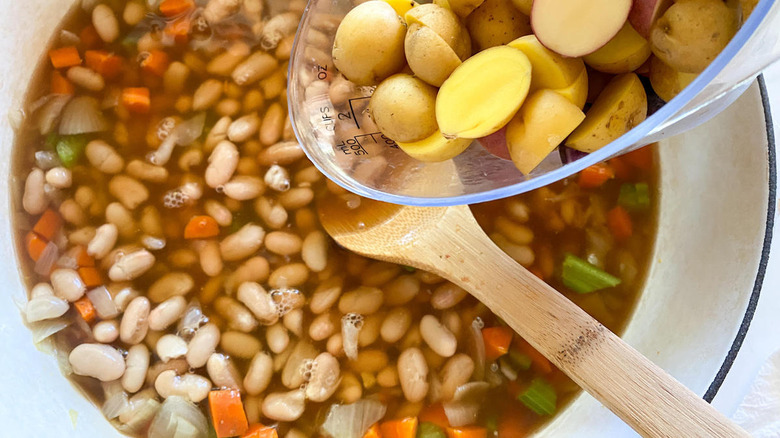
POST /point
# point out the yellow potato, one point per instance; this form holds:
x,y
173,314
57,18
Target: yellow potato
x,y
545,119
624,53
429,57
444,23
484,93
461,8
496,22
524,6
691,33
666,81
436,147
747,7
402,6
369,43
620,106
577,92
403,108
550,70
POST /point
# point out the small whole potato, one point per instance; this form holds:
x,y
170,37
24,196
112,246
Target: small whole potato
x,y
444,23
369,43
691,33
429,57
495,23
666,81
403,108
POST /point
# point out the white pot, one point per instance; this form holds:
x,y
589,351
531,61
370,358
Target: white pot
x,y
717,191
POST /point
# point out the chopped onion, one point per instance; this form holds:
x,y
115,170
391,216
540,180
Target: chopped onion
x,y
46,307
178,418
190,130
51,112
44,329
351,323
68,38
191,321
353,420
141,413
103,302
598,242
67,261
46,160
569,155
464,407
152,243
47,259
39,103
81,116
477,348
115,405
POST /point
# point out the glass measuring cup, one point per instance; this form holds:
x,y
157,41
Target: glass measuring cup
x,y
330,118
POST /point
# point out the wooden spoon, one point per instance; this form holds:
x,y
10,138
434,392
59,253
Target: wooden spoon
x,y
449,242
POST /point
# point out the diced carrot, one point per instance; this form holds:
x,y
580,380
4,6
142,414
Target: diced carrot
x,y
403,428
48,224
179,29
90,276
107,64
467,432
595,176
260,431
136,99
373,432
497,341
171,8
65,57
538,361
641,158
434,414
90,38
79,254
201,227
61,85
156,62
35,245
227,413
621,168
85,308
619,223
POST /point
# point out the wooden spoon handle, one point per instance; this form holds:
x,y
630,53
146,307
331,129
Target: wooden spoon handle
x,y
642,394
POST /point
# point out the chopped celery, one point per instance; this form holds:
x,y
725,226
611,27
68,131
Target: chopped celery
x,y
430,430
51,141
582,277
520,360
70,148
409,269
634,197
540,397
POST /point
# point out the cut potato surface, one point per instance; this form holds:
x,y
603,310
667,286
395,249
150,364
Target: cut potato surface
x,y
484,93
624,53
402,6
436,147
543,122
620,106
577,92
577,27
550,70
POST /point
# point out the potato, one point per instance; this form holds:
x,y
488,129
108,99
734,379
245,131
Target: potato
x,y
550,70
461,8
524,6
545,119
645,12
429,57
496,22
577,92
403,106
445,24
369,43
666,81
691,33
402,6
747,7
620,106
624,53
577,27
435,147
484,93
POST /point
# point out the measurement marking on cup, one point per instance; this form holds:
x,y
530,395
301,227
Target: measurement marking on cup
x,y
354,145
352,109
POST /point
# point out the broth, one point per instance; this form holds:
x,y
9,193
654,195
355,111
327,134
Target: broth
x,y
121,236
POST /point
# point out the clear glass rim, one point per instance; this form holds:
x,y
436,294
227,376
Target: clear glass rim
x,y
631,137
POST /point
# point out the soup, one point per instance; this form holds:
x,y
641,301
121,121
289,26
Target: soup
x,y
169,235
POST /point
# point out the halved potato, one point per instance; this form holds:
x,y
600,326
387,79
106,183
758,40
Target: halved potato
x,y
550,70
436,147
624,53
666,81
577,92
430,58
496,22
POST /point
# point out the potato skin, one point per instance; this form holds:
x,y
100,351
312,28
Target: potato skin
x,y
495,23
404,108
369,43
445,24
691,33
666,81
429,56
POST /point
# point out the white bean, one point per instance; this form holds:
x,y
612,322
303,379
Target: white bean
x,y
363,300
447,295
277,178
104,157
277,338
202,345
223,162
260,302
172,284
206,95
293,321
438,337
242,243
135,321
34,200
325,295
67,284
244,187
131,266
413,374
219,212
86,78
210,257
323,326
259,374
193,387
315,251
170,347
243,128
238,317
105,22
145,171
129,191
106,332
284,406
137,365
395,324
166,313
223,372
104,241
45,307
456,371
41,290
324,378
59,177
102,362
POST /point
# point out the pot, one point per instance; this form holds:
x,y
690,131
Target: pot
x,y
716,204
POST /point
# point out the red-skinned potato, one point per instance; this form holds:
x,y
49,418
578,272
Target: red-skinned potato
x,y
644,13
495,143
577,27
